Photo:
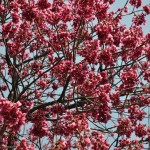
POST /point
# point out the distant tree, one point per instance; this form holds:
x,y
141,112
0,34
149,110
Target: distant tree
x,y
73,76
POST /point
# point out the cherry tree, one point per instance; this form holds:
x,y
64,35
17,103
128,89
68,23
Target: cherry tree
x,y
73,75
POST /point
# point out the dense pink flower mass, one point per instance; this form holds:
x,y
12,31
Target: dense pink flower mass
x,y
74,74
11,117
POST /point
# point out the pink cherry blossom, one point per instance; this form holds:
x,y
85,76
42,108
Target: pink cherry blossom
x,y
74,74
